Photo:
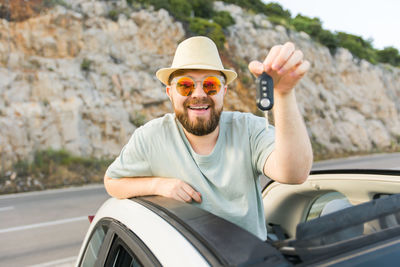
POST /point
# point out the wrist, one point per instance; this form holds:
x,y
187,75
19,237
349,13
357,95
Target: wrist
x,y
284,93
155,185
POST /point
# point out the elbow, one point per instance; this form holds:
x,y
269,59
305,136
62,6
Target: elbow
x,y
296,173
303,173
299,179
108,186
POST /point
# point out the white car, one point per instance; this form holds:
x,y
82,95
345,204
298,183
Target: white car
x,y
341,218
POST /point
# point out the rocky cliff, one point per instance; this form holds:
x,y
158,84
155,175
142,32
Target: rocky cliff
x,y
72,78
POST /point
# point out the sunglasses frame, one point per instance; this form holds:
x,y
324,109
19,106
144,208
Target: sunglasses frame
x,y
220,78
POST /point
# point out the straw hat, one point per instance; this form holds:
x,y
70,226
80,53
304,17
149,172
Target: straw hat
x,y
196,53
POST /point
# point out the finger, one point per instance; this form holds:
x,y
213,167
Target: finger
x,y
177,197
192,193
301,69
183,195
284,54
256,68
275,50
294,60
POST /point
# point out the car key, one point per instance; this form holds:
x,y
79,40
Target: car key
x,y
265,92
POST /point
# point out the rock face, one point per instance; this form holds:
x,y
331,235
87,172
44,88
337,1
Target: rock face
x,y
73,78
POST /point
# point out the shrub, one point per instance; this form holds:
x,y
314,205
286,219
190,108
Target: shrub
x,y
113,15
311,26
257,6
280,21
223,18
86,64
274,9
357,46
204,27
203,8
138,119
158,4
328,39
389,55
180,9
52,3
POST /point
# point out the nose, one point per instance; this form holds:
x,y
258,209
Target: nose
x,y
198,90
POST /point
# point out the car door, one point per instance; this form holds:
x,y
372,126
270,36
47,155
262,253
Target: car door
x,y
113,244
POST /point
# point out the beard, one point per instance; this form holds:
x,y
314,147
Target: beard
x,y
199,126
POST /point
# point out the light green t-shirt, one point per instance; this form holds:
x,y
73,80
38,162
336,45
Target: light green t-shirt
x,y
227,178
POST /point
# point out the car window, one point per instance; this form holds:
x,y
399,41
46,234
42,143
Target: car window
x,y
121,256
320,203
125,258
93,248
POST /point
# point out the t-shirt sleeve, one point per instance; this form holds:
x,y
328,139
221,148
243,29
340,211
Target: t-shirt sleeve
x,y
262,142
132,161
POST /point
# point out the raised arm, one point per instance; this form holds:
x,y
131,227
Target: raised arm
x,y
291,160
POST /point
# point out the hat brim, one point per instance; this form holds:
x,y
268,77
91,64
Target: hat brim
x,y
164,73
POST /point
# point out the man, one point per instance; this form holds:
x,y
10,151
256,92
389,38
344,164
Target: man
x,y
212,158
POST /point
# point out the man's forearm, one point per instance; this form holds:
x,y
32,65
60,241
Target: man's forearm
x,y
292,158
147,186
130,187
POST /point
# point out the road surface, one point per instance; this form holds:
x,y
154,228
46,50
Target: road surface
x,y
47,227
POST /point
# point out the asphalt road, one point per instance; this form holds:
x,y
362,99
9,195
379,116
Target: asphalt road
x,y
47,228
376,161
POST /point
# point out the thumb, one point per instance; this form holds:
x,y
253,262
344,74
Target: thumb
x,y
256,67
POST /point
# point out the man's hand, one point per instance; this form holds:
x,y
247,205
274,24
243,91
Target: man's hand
x,y
177,189
284,64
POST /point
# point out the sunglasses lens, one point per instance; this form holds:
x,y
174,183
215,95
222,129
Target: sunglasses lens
x,y
185,86
211,85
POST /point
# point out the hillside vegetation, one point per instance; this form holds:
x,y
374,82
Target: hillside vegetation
x,y
200,18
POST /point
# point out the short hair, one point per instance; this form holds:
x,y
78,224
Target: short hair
x,y
182,71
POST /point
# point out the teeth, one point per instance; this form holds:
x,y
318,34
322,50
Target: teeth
x,y
202,107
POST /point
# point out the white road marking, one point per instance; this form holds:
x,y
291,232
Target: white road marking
x,y
6,208
43,224
52,191
64,262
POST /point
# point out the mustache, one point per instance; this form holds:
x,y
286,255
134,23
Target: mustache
x,y
198,101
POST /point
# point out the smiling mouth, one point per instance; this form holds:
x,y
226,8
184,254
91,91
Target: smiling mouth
x,y
199,107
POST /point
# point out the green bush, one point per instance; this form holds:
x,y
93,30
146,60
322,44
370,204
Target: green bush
x,y
389,55
52,3
86,64
158,4
280,21
180,9
45,159
357,46
257,6
311,26
254,5
223,18
274,9
204,27
203,8
328,39
113,15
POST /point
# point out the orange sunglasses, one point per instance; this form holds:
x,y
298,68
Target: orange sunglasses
x,y
186,85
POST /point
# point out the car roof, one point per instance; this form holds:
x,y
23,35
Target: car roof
x,y
200,237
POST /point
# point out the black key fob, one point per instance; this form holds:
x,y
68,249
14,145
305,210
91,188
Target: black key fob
x,y
265,92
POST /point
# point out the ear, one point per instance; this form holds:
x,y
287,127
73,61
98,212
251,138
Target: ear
x,y
168,91
225,89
